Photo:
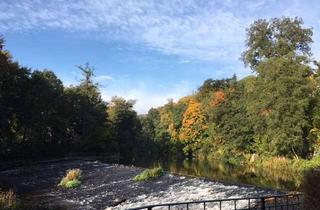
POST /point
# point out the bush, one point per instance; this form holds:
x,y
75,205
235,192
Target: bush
x,y
7,200
73,183
311,186
71,180
149,174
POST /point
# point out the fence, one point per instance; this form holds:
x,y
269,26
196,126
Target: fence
x,y
275,202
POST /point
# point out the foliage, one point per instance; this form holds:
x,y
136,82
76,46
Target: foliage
x,y
273,113
275,38
126,127
149,174
73,183
279,107
193,128
71,180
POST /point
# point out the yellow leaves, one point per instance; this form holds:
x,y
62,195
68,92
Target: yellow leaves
x,y
166,119
185,100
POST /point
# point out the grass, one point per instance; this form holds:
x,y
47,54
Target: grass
x,y
72,179
73,183
8,199
149,174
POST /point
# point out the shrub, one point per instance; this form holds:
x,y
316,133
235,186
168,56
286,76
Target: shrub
x,y
277,163
73,183
7,200
73,174
311,186
149,174
71,180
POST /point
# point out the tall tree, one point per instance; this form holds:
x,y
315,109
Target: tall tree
x,y
89,129
276,38
126,126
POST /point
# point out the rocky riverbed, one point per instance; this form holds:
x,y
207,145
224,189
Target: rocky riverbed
x,y
110,186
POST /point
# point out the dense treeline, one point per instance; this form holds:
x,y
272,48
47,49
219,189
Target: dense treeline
x,y
274,112
41,117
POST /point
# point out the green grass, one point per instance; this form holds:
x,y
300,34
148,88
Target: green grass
x,y
73,183
149,174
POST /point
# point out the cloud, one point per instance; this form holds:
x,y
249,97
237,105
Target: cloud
x,y
192,29
103,78
197,31
147,98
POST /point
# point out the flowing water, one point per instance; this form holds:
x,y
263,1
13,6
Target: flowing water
x,y
235,174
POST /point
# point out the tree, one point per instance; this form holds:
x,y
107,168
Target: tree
x,y
44,121
14,81
276,38
232,119
88,129
194,127
280,106
125,126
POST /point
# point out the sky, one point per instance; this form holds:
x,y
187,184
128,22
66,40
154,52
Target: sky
x,y
147,50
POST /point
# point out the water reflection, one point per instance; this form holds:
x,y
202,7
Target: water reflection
x,y
239,174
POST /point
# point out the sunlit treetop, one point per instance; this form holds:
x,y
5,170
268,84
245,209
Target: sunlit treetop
x,y
274,38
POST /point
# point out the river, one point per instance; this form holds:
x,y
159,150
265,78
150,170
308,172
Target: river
x,y
235,174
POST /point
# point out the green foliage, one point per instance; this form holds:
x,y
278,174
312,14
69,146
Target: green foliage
x,y
73,183
126,127
149,174
275,38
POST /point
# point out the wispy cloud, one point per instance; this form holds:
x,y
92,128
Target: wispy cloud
x,y
147,98
202,30
197,31
101,78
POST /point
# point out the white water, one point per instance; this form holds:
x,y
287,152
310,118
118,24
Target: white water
x,y
194,190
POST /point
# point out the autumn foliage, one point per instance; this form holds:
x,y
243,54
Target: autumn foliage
x,y
194,125
218,97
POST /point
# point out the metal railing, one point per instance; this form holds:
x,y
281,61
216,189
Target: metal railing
x,y
274,202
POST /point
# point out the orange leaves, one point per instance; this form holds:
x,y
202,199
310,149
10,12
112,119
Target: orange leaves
x,y
218,97
193,123
265,112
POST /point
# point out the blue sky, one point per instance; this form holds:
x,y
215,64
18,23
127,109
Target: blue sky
x,y
148,50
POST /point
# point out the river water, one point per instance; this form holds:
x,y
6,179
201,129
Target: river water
x,y
235,174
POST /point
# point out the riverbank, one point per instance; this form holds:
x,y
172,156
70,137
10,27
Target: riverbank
x,y
110,186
